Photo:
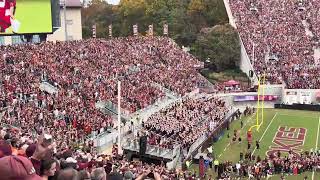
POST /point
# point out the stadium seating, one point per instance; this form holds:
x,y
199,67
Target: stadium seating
x,y
53,89
281,38
184,122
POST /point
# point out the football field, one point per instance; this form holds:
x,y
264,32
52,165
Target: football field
x,y
281,130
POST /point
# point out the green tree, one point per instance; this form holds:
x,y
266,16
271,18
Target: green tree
x,y
196,12
100,13
215,12
220,45
185,17
132,12
159,13
175,14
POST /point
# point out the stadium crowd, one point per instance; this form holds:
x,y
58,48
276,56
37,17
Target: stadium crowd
x,y
258,168
85,72
281,38
41,158
184,122
23,157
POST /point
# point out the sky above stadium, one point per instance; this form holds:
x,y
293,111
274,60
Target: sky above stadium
x,y
113,1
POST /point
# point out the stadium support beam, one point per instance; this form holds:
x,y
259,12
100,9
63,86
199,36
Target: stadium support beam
x,y
43,37
65,20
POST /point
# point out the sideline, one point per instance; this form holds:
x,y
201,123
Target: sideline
x,y
316,148
265,131
290,115
249,119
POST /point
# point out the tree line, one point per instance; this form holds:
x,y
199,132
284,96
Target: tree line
x,y
198,24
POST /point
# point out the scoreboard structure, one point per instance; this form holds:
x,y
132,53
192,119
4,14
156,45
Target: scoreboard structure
x,y
27,18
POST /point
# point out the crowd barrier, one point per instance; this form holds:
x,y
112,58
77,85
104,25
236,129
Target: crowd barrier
x,y
205,141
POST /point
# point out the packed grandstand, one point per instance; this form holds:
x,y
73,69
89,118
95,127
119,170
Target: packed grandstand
x,y
281,39
86,72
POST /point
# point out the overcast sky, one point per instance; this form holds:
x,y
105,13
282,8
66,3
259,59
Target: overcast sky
x,y
113,1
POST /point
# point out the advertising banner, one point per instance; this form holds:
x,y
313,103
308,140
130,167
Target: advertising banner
x,y
254,98
291,97
305,97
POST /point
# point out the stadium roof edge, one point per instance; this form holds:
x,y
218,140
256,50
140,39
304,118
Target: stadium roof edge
x,y
71,3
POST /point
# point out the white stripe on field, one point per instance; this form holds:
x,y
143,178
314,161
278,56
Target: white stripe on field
x,y
316,144
291,115
265,131
244,125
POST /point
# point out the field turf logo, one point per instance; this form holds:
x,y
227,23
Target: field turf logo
x,y
288,139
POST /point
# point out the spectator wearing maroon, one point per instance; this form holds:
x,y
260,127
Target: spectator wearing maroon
x,y
17,167
5,149
30,150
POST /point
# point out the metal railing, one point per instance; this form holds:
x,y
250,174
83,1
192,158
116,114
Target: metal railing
x,y
198,143
154,150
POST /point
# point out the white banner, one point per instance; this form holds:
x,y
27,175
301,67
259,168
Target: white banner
x,y
150,30
165,29
94,31
110,30
135,30
291,97
305,97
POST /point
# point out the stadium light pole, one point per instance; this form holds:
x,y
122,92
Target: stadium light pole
x,y
253,48
65,20
253,53
119,116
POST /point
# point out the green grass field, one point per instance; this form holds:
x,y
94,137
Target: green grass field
x,y
34,16
225,150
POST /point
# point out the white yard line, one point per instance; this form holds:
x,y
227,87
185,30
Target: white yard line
x,y
265,131
284,114
316,148
244,125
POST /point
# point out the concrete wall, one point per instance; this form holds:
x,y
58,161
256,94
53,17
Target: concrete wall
x,y
242,105
7,40
74,26
302,96
228,9
245,64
